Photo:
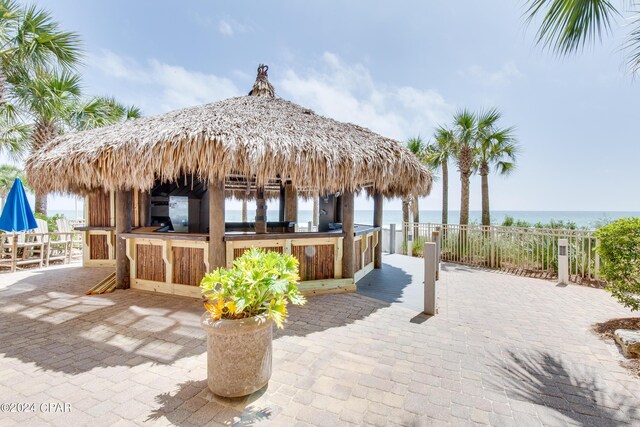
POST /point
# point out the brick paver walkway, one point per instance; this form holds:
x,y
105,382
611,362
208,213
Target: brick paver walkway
x,y
503,350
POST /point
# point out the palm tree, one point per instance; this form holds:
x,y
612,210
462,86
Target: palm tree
x,y
418,148
437,156
52,100
14,135
100,111
495,147
465,132
49,99
8,174
30,39
568,25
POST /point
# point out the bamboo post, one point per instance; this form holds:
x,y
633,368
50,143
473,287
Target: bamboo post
x,y
377,222
144,207
348,242
123,225
281,207
290,203
261,212
217,248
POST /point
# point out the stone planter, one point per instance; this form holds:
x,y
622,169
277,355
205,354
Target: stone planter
x,y
238,354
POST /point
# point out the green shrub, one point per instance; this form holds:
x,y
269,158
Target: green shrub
x,y
259,282
51,220
619,248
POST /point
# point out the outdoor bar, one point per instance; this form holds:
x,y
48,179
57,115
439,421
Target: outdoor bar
x,y
155,190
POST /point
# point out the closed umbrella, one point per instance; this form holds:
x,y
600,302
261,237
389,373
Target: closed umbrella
x,y
17,214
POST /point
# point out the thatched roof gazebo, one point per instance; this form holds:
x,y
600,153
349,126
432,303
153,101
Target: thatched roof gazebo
x,y
256,146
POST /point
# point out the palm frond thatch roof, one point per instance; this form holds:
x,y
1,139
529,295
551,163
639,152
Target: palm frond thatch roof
x,y
256,137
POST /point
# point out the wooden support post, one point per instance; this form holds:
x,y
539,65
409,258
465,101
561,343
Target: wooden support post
x,y
377,222
144,208
261,212
348,242
217,248
123,225
282,204
290,203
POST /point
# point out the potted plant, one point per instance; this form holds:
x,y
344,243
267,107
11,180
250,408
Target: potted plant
x,y
242,305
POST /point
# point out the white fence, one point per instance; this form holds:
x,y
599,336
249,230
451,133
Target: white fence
x,y
527,251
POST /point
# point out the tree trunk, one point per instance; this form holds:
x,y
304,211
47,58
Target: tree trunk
x,y
415,209
41,203
43,132
484,174
464,198
445,192
405,218
244,211
465,163
405,210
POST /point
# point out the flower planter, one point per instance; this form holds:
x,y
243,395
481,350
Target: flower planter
x,y
238,354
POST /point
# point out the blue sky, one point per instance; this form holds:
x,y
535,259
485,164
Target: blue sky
x,y
398,68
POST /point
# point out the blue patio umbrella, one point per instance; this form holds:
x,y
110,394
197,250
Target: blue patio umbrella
x,y
17,214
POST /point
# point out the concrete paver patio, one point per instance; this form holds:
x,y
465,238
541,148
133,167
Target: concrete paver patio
x,y
503,350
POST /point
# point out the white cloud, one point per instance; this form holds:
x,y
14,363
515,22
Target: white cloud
x,y
225,28
501,77
348,92
345,92
158,87
229,27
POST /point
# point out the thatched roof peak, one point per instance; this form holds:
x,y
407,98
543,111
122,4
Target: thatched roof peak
x,y
256,138
262,86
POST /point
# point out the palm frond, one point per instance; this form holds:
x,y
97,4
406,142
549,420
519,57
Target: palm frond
x,y
40,42
567,25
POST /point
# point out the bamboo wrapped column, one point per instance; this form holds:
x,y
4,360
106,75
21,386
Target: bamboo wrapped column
x,y
123,225
281,204
261,212
144,207
217,249
348,241
290,203
377,222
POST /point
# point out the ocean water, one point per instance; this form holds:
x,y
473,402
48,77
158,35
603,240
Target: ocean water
x,y
581,218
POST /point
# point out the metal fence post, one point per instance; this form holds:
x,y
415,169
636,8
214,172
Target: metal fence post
x,y
435,237
392,238
430,296
492,261
596,274
563,261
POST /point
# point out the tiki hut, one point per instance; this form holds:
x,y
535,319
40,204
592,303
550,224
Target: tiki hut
x,y
155,190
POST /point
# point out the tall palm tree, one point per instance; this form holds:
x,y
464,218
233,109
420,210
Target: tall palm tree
x,y
418,148
49,99
495,147
465,131
52,100
31,39
568,25
437,156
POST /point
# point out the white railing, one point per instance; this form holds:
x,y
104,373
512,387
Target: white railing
x,y
521,250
